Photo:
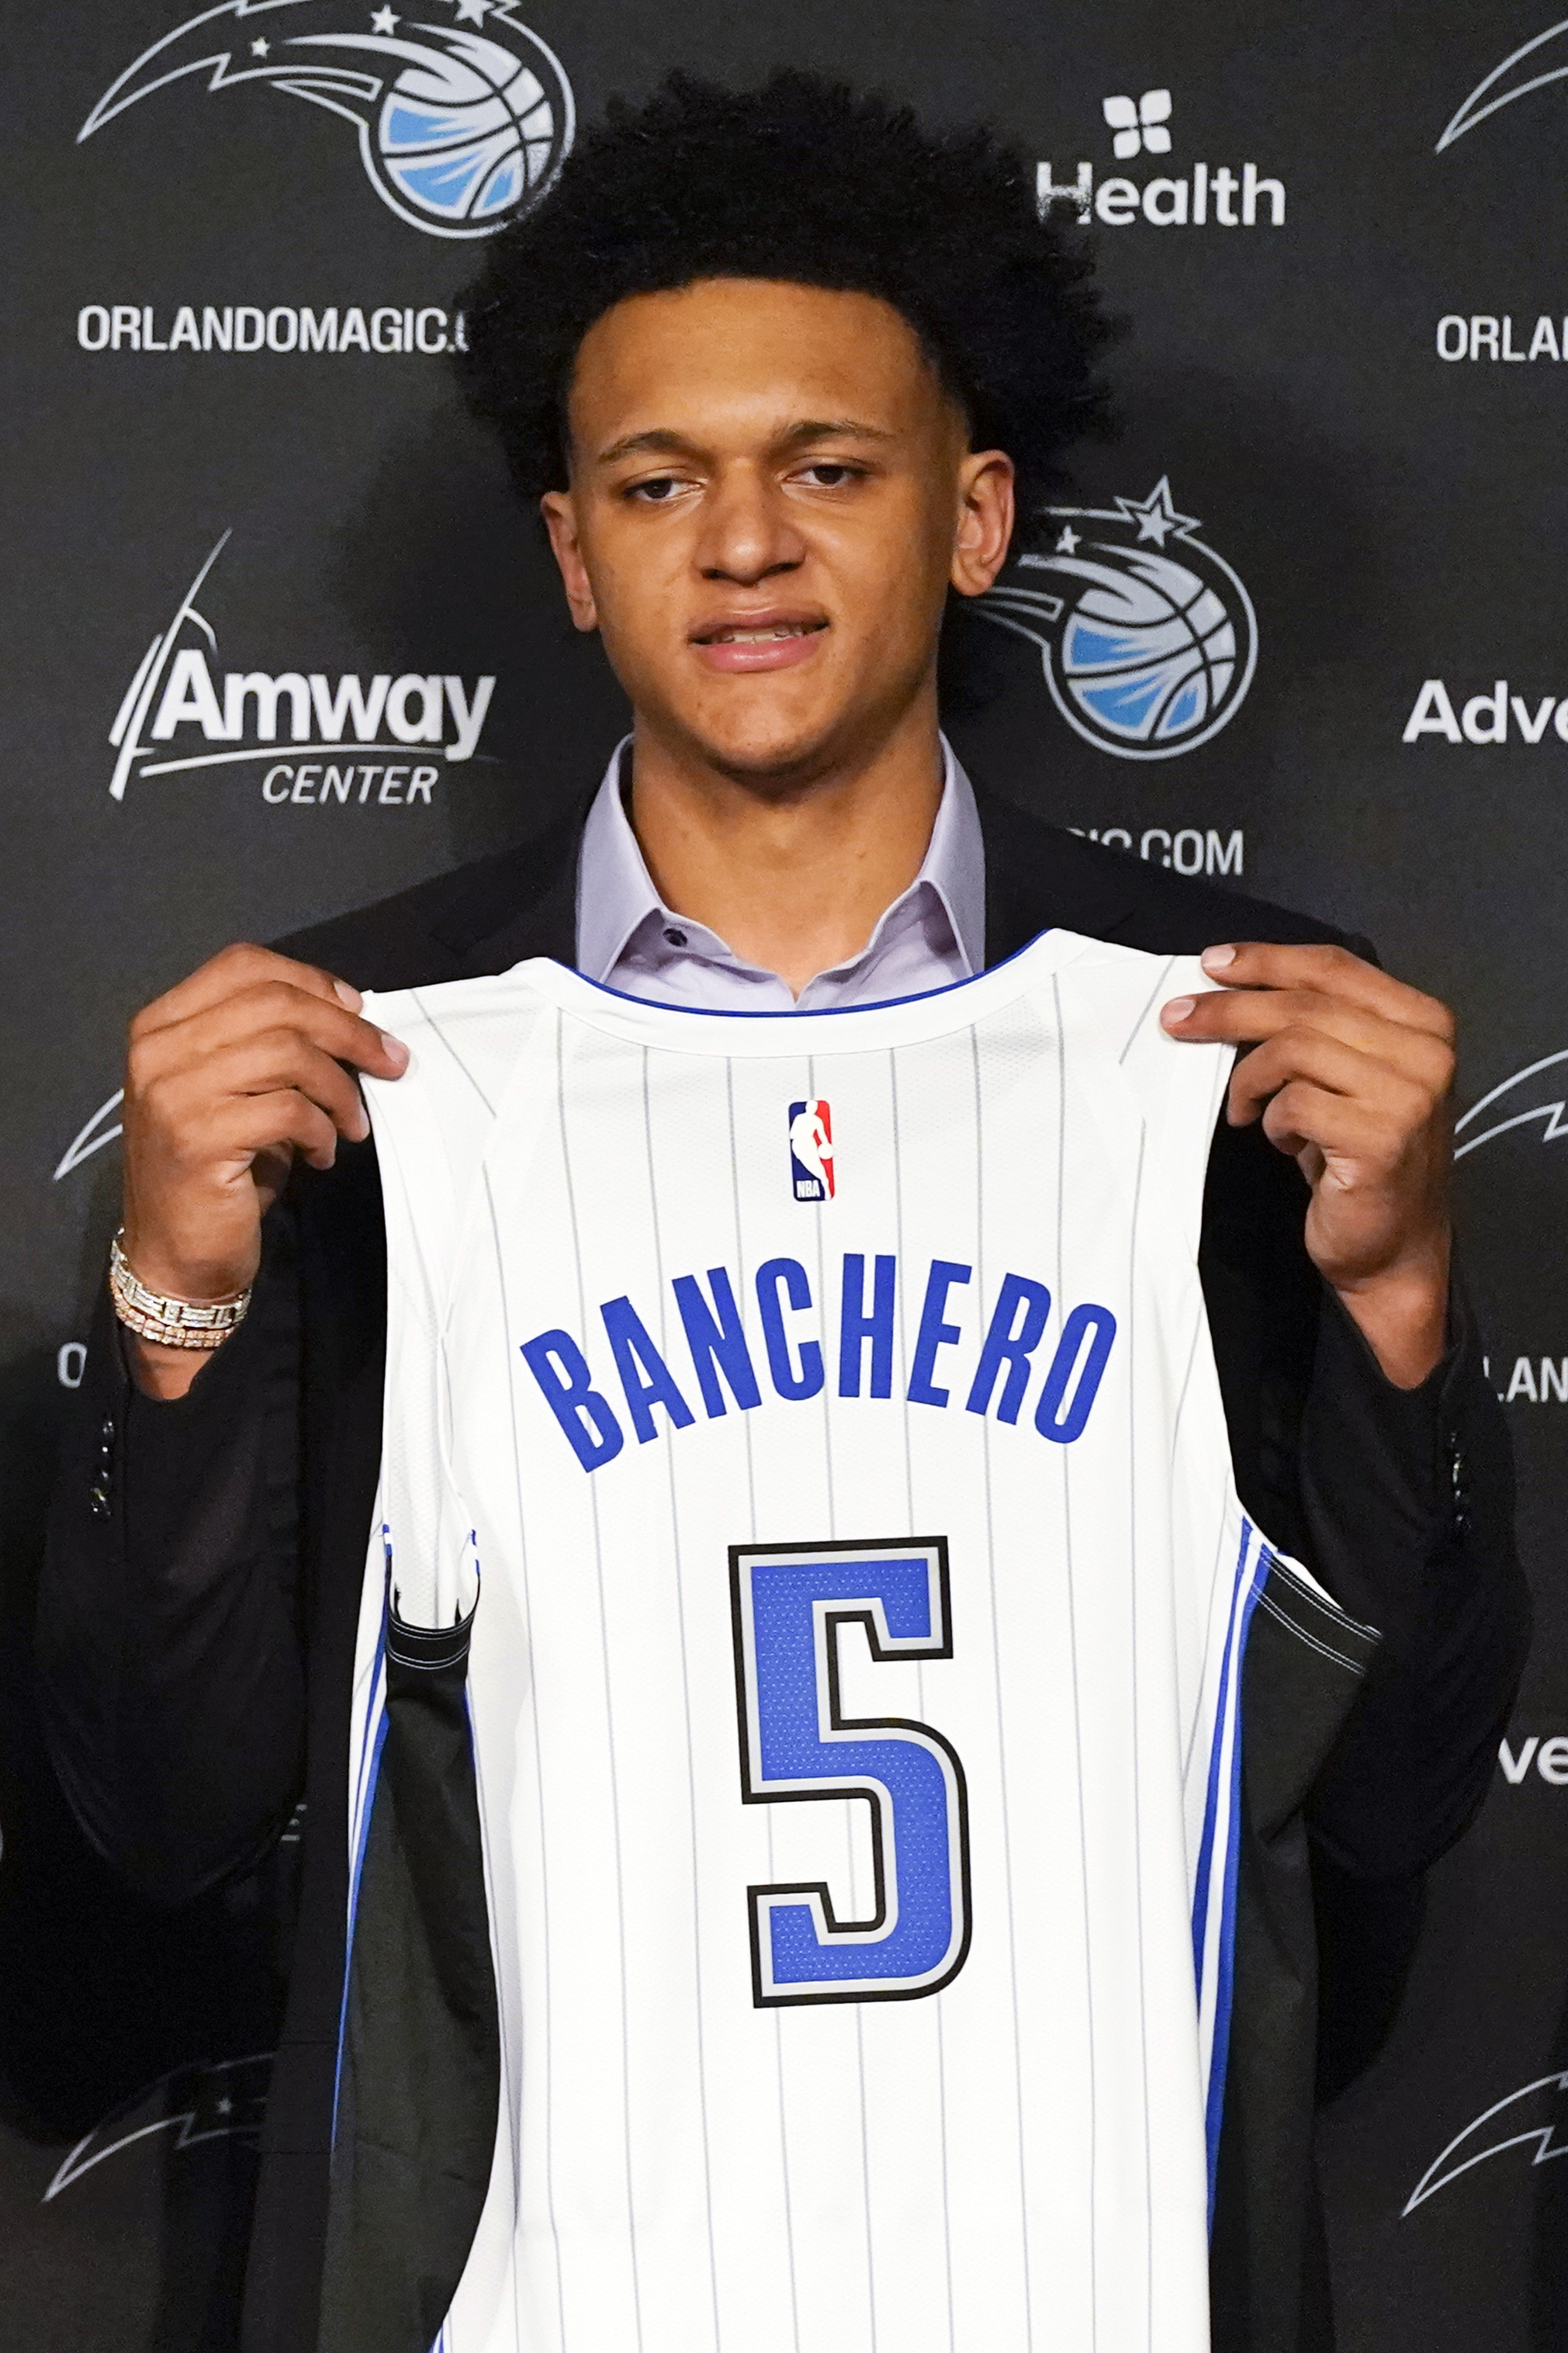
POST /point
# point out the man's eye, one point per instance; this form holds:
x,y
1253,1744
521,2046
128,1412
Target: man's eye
x,y
830,474
654,493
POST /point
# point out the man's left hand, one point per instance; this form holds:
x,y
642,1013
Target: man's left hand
x,y
1349,1073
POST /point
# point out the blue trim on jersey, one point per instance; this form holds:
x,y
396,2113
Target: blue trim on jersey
x,y
1250,1581
364,1805
1211,1798
795,1012
373,1781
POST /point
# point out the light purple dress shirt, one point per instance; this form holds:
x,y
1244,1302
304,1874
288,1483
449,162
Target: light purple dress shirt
x,y
933,933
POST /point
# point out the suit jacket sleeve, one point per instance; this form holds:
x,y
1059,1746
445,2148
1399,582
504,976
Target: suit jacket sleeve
x,y
1408,1496
1400,1501
169,1652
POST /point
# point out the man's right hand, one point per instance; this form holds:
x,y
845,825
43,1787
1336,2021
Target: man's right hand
x,y
227,1077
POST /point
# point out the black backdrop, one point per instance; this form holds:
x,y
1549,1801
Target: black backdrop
x,y
1339,232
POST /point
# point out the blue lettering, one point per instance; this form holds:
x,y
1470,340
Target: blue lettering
x,y
636,1356
789,1273
1003,1346
1049,1418
855,1327
561,1368
934,1333
716,1344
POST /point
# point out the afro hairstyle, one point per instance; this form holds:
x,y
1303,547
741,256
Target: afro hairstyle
x,y
807,181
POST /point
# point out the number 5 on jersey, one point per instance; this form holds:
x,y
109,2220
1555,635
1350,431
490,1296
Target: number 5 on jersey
x,y
791,1604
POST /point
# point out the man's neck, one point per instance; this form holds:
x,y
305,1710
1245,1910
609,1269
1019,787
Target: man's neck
x,y
792,875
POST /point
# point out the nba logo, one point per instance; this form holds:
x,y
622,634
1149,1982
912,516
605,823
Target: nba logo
x,y
811,1151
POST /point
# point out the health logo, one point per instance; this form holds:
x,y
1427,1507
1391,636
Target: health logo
x,y
811,1151
1148,648
461,126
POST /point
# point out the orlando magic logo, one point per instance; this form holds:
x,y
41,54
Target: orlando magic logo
x,y
1521,72
459,129
1148,649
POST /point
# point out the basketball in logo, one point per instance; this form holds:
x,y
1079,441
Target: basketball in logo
x,y
465,137
1147,652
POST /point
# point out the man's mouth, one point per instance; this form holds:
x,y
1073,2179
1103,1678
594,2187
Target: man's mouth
x,y
740,635
758,641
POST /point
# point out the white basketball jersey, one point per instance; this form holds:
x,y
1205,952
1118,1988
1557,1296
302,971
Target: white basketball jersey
x,y
819,1415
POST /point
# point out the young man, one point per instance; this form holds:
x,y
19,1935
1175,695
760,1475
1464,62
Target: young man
x,y
780,370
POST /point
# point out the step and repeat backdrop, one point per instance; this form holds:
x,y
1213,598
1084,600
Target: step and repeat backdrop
x,y
282,643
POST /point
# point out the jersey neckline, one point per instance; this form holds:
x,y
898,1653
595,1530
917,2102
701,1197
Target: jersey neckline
x,y
710,1029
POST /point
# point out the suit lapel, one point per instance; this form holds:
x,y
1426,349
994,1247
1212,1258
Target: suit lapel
x,y
1040,877
521,904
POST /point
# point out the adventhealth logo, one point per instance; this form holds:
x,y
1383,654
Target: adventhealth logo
x,y
1487,718
1549,1758
1209,196
462,124
177,701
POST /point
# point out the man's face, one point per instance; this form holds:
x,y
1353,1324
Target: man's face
x,y
770,495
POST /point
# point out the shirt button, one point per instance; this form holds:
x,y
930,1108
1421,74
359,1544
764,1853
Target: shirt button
x,y
677,939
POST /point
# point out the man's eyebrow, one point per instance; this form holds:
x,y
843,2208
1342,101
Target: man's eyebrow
x,y
834,428
659,441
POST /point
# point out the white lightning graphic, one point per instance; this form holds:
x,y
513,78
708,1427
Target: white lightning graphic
x,y
1551,1112
1435,2177
1470,113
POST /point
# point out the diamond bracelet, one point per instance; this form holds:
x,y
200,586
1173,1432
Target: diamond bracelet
x,y
175,1322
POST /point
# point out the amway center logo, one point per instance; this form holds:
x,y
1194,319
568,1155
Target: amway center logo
x,y
1148,649
461,125
1207,196
173,700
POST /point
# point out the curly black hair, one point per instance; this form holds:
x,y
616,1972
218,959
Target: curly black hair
x,y
808,182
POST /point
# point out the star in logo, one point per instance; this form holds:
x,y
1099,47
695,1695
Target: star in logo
x,y
1068,539
260,48
1156,515
472,12
383,21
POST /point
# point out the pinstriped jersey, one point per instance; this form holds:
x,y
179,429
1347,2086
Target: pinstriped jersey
x,y
814,1419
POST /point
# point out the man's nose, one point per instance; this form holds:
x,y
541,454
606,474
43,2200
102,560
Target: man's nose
x,y
747,531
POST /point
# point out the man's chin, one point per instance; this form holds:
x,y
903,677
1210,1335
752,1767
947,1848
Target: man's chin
x,y
776,748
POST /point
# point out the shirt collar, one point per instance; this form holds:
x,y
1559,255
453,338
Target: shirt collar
x,y
615,891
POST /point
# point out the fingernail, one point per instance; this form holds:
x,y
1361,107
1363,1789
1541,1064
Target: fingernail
x,y
397,1051
1177,1010
1217,959
348,994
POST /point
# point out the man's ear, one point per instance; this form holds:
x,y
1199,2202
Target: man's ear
x,y
561,522
985,513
